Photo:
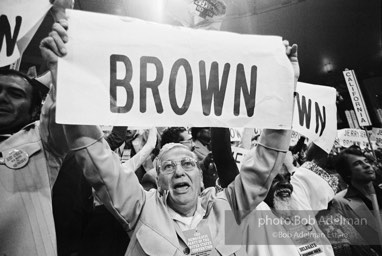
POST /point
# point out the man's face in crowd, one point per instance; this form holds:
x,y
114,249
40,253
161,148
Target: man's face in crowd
x,y
183,180
15,103
281,190
204,136
360,169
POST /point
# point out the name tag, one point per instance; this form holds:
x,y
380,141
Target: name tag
x,y
199,241
309,249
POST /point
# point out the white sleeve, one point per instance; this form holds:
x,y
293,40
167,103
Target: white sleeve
x,y
312,190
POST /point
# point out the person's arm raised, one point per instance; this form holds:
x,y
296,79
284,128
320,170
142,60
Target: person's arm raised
x,y
263,162
116,186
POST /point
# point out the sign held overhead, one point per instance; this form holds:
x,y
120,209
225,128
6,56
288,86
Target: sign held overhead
x,y
161,75
357,99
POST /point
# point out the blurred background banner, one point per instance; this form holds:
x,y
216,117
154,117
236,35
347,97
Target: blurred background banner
x,y
349,137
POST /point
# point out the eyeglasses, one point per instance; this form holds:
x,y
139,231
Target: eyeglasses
x,y
169,166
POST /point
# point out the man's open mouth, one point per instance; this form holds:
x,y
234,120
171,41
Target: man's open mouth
x,y
181,187
283,192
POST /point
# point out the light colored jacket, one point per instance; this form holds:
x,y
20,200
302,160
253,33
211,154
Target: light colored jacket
x,y
145,216
312,191
26,217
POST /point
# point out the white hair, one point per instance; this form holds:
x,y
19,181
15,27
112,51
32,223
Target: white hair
x,y
167,147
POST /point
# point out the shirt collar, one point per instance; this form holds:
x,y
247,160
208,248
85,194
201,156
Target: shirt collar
x,y
354,192
196,218
7,136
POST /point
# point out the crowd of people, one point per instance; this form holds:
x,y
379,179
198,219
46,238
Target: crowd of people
x,y
68,190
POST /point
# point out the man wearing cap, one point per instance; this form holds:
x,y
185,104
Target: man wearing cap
x,y
31,153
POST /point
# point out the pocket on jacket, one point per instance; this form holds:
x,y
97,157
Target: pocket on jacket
x,y
153,243
228,250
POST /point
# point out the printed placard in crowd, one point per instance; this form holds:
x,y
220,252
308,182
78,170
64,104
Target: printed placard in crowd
x,y
349,137
124,71
235,134
357,98
315,114
19,21
377,136
238,155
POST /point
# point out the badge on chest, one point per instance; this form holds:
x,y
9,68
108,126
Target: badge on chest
x,y
15,159
199,241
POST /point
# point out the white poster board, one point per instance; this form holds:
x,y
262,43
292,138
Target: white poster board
x,y
349,137
357,98
315,114
124,71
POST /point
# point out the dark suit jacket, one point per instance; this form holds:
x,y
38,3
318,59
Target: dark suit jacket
x,y
350,202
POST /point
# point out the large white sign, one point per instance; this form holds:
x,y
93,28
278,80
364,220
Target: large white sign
x,y
315,114
124,71
19,21
356,98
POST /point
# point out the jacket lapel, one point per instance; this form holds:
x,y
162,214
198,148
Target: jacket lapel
x,y
361,210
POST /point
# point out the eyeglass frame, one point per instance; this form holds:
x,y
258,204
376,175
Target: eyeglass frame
x,y
176,163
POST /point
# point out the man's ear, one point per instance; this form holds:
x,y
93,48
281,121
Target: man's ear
x,y
158,186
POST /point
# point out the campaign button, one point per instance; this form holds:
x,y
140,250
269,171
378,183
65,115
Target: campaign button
x,y
16,159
